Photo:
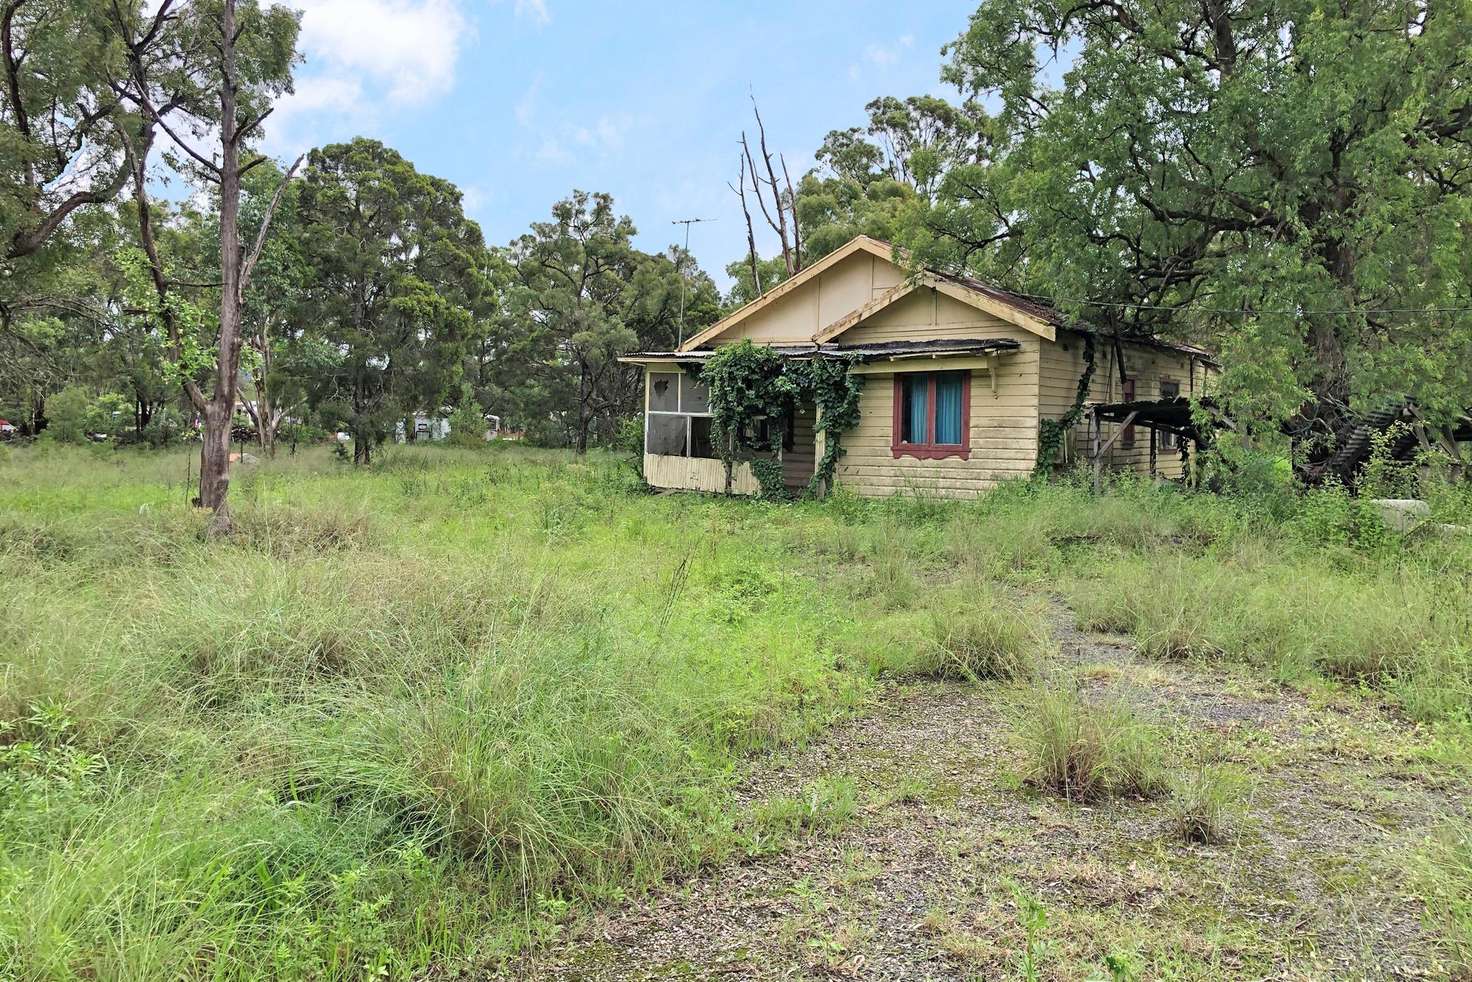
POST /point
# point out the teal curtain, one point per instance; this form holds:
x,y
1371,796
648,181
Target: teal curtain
x,y
948,409
916,410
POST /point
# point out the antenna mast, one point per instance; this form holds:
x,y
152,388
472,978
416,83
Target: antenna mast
x,y
687,222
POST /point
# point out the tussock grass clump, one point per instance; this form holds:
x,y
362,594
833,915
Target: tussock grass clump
x,y
1205,802
32,541
968,635
293,530
1087,750
988,638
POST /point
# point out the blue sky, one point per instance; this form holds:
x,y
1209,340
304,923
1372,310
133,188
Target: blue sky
x,y
520,101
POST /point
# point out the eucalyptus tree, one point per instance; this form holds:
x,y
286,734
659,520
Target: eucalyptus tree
x,y
1290,179
582,296
64,128
394,271
205,73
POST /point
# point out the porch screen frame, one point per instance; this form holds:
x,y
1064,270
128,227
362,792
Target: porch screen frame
x,y
683,378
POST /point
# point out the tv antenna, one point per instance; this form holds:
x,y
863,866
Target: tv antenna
x,y
687,222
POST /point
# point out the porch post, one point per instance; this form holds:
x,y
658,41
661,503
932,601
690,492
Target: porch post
x,y
820,440
1096,455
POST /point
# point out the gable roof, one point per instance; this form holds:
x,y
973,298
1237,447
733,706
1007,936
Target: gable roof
x,y
973,292
1027,313
1010,308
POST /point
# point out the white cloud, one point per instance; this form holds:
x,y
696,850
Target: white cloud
x,y
474,197
880,55
606,135
602,139
408,48
363,59
552,152
535,11
526,106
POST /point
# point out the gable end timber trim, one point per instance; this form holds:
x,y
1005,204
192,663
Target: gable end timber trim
x,y
998,308
860,314
861,244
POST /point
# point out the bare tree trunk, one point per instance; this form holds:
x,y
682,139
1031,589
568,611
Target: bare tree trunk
x,y
740,189
792,262
263,413
214,473
792,206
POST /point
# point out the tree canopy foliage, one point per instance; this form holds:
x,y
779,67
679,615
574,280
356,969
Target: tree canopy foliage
x,y
1290,181
393,286
1290,184
583,296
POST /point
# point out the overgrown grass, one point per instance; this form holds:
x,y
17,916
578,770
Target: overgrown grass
x,y
418,714
397,716
1445,877
974,633
1206,802
1086,749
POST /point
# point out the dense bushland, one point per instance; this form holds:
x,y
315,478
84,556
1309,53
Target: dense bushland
x,y
425,712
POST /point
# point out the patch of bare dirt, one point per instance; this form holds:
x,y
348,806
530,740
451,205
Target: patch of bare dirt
x,y
924,883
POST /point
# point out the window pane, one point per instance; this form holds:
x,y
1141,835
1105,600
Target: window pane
x,y
914,411
701,444
663,394
694,395
1169,390
1127,393
948,409
666,435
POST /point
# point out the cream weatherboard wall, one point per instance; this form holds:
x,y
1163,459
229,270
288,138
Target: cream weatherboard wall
x,y
1003,424
1147,365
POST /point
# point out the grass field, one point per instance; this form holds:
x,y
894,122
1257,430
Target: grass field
x,y
435,713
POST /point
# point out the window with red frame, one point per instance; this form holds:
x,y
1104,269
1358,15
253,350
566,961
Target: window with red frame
x,y
932,415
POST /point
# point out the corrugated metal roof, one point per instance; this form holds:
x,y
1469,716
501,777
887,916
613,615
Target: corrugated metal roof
x,y
863,352
1035,307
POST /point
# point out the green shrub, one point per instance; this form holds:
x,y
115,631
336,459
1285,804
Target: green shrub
x,y
68,415
467,424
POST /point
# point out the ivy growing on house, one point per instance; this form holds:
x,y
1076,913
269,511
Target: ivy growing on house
x,y
834,389
1052,432
749,383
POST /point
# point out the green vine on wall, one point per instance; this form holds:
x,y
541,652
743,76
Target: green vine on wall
x,y
750,382
1052,432
834,389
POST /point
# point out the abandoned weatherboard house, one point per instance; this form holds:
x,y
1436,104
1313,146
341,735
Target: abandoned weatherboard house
x,y
958,378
